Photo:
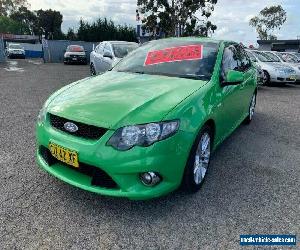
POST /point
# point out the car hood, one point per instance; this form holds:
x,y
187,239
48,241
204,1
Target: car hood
x,y
75,53
15,50
116,99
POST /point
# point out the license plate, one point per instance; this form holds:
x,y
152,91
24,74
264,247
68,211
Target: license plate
x,y
74,59
65,155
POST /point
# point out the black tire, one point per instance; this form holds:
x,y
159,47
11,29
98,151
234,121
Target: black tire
x,y
92,70
249,118
188,181
266,79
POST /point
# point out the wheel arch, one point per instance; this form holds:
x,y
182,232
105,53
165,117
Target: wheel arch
x,y
212,125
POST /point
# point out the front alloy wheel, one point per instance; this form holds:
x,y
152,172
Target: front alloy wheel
x,y
198,162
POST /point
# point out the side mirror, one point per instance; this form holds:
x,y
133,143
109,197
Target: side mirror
x,y
233,77
107,54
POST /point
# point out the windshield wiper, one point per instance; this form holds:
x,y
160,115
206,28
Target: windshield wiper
x,y
195,77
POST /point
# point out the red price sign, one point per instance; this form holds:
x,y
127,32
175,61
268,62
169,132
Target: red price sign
x,y
175,54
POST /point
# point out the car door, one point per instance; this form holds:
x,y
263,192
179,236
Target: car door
x,y
99,58
247,87
228,105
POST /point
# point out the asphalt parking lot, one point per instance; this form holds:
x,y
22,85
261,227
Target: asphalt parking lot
x,y
253,186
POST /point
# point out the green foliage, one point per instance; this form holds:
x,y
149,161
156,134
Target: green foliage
x,y
7,6
168,16
71,35
49,22
104,30
269,19
27,19
8,25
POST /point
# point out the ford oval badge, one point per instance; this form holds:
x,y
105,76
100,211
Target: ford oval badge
x,y
70,127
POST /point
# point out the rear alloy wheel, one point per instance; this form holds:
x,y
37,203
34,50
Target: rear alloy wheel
x,y
198,161
266,78
92,70
251,109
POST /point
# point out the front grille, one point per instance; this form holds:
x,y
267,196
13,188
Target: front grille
x,y
99,177
84,130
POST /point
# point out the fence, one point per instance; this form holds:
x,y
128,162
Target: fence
x,y
33,50
54,49
2,51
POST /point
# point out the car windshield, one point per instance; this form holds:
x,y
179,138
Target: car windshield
x,y
75,48
174,58
262,56
252,57
15,46
272,56
287,57
122,49
297,55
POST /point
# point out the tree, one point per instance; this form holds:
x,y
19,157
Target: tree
x,y
177,17
7,6
71,35
28,19
8,25
104,30
268,19
49,22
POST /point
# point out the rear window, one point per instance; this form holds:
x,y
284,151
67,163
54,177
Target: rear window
x,y
175,58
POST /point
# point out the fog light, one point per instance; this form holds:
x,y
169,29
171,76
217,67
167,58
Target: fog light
x,y
150,178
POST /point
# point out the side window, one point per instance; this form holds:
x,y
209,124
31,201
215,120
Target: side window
x,y
243,59
99,49
107,48
229,61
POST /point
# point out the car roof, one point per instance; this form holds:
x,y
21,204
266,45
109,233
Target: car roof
x,y
75,45
119,42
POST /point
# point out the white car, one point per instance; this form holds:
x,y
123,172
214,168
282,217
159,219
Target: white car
x,y
295,54
75,54
287,60
274,71
107,54
15,51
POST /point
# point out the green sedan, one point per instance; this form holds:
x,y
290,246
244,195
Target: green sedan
x,y
149,125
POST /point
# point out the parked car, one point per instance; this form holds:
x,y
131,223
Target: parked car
x,y
152,122
260,72
108,54
290,57
15,51
287,60
296,54
75,54
274,71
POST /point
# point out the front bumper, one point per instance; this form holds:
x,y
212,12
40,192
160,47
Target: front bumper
x,y
167,157
22,56
280,78
75,60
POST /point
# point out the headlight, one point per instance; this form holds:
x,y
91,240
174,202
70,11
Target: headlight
x,y
142,135
42,115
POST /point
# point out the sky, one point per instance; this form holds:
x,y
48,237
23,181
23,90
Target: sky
x,y
231,16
